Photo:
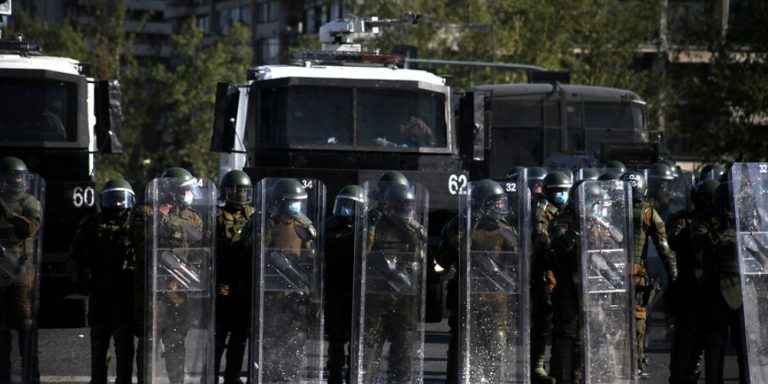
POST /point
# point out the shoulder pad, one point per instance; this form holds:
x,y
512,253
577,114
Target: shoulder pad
x,y
305,229
417,228
247,211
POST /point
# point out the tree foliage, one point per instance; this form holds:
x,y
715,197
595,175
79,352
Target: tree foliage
x,y
721,106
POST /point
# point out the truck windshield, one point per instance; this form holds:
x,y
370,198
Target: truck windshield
x,y
622,116
37,110
338,116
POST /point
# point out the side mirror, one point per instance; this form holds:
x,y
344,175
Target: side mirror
x,y
224,132
472,119
109,116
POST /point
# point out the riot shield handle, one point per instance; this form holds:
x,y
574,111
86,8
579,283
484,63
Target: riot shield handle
x,y
491,270
10,264
386,265
615,232
177,268
288,269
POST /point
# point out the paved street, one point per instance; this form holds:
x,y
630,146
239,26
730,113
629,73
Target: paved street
x,y
65,356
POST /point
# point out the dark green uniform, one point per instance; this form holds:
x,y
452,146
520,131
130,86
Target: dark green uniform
x,y
296,235
490,312
20,217
646,223
179,227
717,273
393,318
103,247
233,287
339,275
687,345
564,258
543,281
447,255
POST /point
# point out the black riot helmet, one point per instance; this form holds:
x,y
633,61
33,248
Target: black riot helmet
x,y
721,201
117,195
386,180
236,189
400,203
12,172
556,185
638,184
703,193
288,196
488,198
711,172
616,166
347,200
536,179
181,185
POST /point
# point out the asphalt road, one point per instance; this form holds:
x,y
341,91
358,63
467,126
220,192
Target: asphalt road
x,y
65,355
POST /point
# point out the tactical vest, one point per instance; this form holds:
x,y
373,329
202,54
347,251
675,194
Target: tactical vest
x,y
388,235
295,233
642,215
113,245
231,223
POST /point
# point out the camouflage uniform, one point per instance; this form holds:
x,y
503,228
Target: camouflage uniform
x,y
394,320
646,222
233,287
294,234
717,275
180,227
103,247
340,260
20,218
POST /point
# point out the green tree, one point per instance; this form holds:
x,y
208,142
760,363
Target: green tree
x,y
173,117
721,106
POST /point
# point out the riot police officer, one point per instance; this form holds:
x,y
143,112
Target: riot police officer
x,y
339,275
395,247
687,305
233,269
104,251
556,186
288,241
646,223
715,253
535,178
177,226
20,216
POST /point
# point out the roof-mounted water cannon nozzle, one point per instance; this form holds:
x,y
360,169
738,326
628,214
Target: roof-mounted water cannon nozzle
x,y
339,35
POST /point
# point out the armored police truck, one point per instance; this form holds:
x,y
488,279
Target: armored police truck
x,y
344,116
55,118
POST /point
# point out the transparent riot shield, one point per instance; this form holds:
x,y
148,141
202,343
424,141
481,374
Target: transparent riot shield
x,y
22,200
604,211
388,300
493,281
288,274
750,198
180,281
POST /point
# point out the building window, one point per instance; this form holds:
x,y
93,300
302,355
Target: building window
x,y
203,23
268,11
269,50
309,20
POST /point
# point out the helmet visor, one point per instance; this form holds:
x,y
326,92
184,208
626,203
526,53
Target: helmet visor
x,y
238,194
13,182
405,210
117,200
344,207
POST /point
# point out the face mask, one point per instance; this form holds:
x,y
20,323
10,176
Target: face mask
x,y
294,208
188,197
561,198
